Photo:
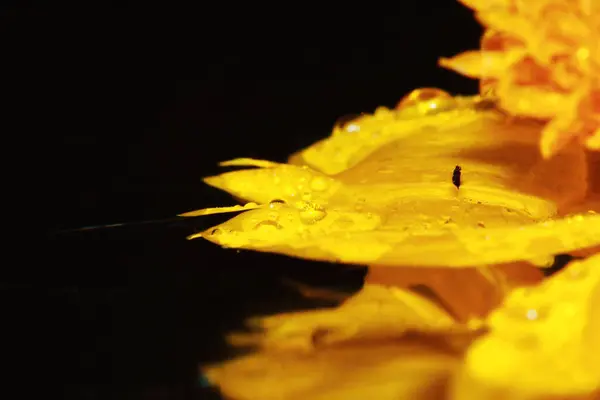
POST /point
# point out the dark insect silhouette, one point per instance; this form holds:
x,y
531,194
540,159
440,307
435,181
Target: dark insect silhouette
x,y
456,176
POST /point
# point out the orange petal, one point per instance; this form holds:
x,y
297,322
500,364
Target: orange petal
x,y
478,64
468,293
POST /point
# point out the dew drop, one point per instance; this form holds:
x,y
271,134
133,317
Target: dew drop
x,y
216,232
429,100
276,203
268,225
319,184
312,214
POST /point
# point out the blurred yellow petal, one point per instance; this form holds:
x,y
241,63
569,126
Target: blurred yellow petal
x,y
544,342
387,370
532,101
468,293
374,313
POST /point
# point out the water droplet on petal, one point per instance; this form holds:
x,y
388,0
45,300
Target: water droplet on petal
x,y
428,100
312,214
268,226
216,231
276,203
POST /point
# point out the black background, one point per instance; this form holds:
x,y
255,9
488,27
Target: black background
x,y
125,110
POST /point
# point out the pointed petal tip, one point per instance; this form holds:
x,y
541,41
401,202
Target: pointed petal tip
x,y
195,236
214,181
248,162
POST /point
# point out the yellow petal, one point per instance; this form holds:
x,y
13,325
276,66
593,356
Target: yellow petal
x,y
374,313
543,342
219,210
481,64
387,206
405,370
272,181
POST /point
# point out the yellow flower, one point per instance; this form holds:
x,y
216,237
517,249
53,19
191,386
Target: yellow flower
x,y
541,58
456,211
444,251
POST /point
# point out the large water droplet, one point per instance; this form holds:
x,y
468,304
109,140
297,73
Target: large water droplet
x,y
276,204
312,214
427,100
268,225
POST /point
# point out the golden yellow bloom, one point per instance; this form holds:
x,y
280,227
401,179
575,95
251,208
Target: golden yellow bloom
x,y
443,254
541,58
456,211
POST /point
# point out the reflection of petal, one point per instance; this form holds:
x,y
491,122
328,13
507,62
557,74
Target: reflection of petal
x,y
469,292
388,370
544,341
374,313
